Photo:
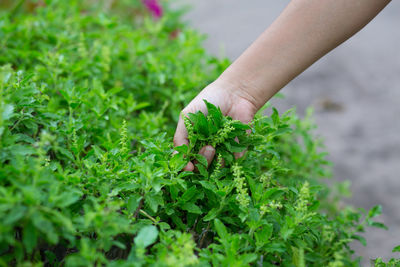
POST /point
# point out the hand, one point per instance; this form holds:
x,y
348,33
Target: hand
x,y
230,98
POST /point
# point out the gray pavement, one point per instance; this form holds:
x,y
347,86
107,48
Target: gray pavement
x,y
355,91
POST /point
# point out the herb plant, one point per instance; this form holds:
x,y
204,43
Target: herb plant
x,y
89,97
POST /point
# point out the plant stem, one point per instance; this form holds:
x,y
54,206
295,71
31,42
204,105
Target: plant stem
x,y
148,216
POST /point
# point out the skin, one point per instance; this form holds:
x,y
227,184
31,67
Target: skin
x,y
304,32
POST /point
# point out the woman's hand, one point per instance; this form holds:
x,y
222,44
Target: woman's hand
x,y
231,98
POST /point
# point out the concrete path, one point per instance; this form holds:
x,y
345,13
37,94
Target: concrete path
x,y
355,91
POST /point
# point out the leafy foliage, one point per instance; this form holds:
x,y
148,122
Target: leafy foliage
x,y
89,97
393,262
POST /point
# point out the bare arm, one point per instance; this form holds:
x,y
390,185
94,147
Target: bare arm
x,y
304,32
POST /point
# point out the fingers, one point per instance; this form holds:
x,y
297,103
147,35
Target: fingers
x,y
181,135
208,152
189,167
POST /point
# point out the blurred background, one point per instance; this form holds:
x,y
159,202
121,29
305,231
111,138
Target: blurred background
x,y
354,90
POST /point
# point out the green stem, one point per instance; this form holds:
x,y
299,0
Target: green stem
x,y
148,216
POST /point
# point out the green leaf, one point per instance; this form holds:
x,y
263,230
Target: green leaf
x,y
361,239
263,235
282,131
275,117
202,170
133,203
221,229
191,207
67,198
248,258
202,124
375,211
45,226
272,193
154,200
98,152
178,162
141,105
275,247
29,237
211,214
234,147
7,111
22,150
286,232
16,213
378,225
208,185
146,236
194,117
396,249
240,125
201,159
215,114
179,223
182,149
189,194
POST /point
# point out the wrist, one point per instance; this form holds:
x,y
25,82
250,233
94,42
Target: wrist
x,y
240,88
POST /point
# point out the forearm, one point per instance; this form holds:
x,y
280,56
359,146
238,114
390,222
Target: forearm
x,y
304,32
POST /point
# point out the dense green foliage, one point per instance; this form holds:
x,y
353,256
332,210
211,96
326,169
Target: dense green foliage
x,y
89,98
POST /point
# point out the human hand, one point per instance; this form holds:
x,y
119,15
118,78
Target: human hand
x,y
232,99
